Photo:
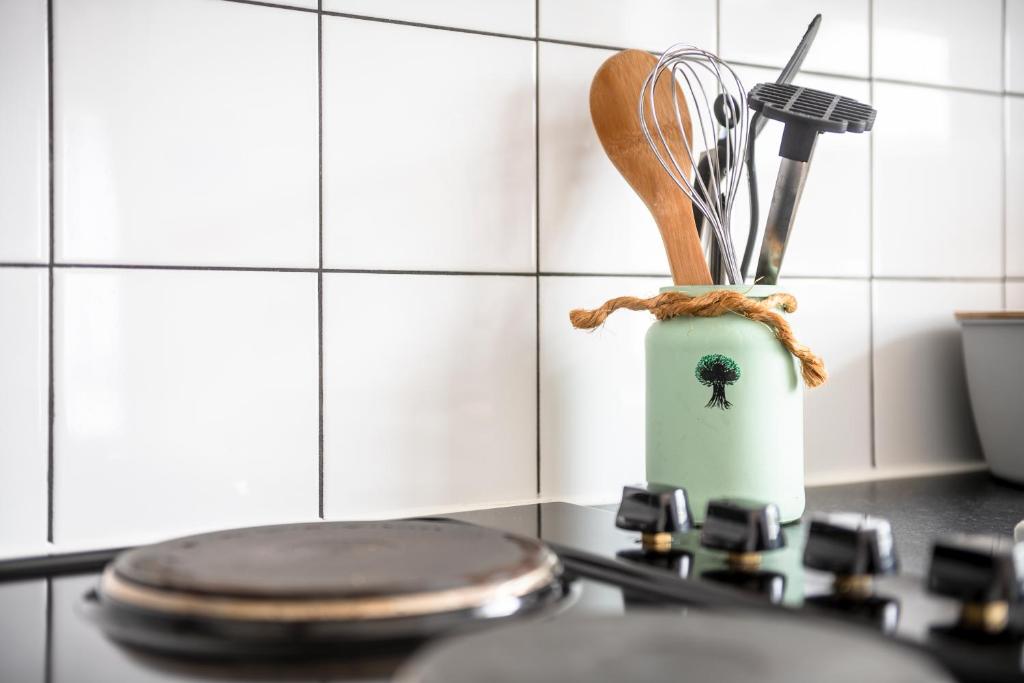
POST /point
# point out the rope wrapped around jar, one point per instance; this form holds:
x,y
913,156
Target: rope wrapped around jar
x,y
713,304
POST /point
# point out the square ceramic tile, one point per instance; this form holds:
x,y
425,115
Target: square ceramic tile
x,y
832,232
646,24
435,170
23,631
922,411
944,42
514,17
591,389
1014,181
24,135
430,401
937,205
1015,45
834,319
591,221
185,132
767,33
1015,296
185,401
24,378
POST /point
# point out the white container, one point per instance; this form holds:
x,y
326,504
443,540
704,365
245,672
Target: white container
x,y
993,345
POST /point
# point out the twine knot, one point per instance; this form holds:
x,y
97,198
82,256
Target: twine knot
x,y
719,302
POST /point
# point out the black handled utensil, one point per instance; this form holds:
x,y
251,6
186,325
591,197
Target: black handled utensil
x,y
806,114
757,123
726,111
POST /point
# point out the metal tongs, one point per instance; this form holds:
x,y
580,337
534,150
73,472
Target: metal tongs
x,y
725,109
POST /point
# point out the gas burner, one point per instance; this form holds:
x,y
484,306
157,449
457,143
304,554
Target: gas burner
x,y
648,647
297,589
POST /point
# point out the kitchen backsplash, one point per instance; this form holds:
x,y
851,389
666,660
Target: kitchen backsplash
x,y
261,262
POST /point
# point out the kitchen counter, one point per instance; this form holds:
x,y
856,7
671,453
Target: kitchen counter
x,y
923,508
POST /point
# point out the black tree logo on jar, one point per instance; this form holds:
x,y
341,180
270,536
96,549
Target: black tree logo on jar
x,y
716,371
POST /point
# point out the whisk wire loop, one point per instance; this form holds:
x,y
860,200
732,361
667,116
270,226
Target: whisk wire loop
x,y
723,143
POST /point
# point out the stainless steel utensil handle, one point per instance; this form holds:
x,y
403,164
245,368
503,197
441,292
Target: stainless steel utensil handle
x,y
789,185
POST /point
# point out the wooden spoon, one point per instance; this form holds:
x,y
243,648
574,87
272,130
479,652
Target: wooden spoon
x,y
614,95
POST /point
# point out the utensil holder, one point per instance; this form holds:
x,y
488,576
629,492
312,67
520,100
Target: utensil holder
x,y
724,408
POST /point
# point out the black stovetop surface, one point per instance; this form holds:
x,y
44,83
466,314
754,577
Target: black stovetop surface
x,y
44,636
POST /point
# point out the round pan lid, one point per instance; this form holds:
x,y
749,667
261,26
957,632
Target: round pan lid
x,y
649,647
331,571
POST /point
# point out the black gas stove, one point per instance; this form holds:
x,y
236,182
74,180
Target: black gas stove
x,y
635,594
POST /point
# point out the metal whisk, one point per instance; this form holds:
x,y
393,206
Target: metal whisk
x,y
716,102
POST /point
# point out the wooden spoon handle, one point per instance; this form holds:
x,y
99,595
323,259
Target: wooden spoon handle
x,y
614,96
679,234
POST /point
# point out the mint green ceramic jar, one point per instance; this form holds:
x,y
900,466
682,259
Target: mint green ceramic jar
x,y
725,409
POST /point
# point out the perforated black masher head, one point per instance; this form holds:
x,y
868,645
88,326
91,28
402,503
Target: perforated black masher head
x,y
806,113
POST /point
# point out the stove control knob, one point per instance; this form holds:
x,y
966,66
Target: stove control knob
x,y
657,511
986,573
852,546
742,528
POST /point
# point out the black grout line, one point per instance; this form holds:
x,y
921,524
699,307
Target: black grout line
x,y
154,266
592,46
870,241
931,278
1004,112
718,27
660,276
420,24
320,257
490,273
50,398
933,86
22,264
274,5
365,271
537,252
487,273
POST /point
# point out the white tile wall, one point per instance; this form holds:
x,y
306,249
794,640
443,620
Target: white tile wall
x,y
437,406
943,42
937,207
763,32
1015,296
204,149
445,177
647,24
1015,46
185,401
590,220
24,191
24,388
185,133
1014,183
834,319
591,389
922,414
